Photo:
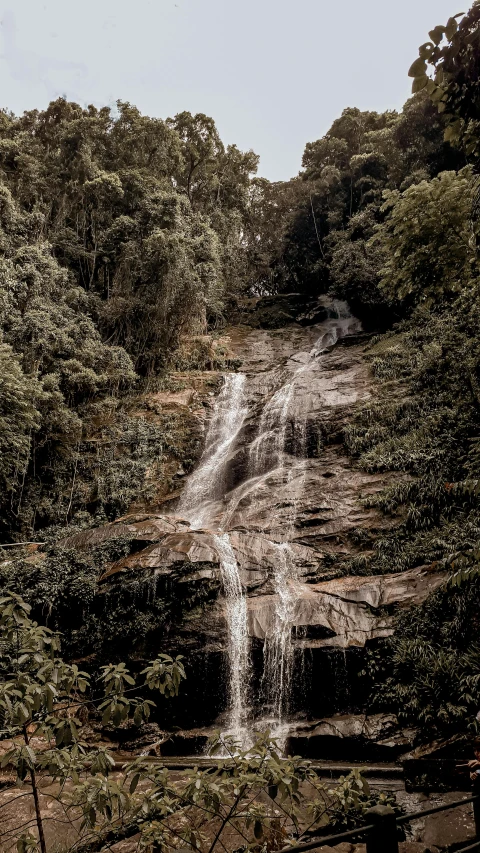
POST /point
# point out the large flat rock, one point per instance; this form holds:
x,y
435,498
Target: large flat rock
x,y
353,737
347,607
352,609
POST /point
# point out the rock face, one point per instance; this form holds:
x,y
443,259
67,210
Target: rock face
x,y
352,737
348,607
288,491
352,610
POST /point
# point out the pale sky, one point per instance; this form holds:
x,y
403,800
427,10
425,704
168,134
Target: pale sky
x,y
273,74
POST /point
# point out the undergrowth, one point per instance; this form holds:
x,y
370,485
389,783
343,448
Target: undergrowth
x,y
423,424
109,619
428,673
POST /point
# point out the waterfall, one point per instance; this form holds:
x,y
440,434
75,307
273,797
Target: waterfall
x,y
267,452
203,487
200,505
236,612
278,649
206,482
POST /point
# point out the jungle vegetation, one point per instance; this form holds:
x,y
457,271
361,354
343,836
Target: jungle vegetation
x,y
121,236
81,801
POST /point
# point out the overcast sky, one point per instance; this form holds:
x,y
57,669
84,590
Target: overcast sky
x,y
272,73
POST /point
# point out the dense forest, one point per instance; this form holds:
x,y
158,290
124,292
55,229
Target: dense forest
x,y
123,235
128,245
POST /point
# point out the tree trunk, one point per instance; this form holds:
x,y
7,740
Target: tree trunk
x,y
36,800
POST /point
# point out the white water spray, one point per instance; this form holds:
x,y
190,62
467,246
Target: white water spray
x,y
267,452
278,649
267,449
206,482
236,613
203,487
199,505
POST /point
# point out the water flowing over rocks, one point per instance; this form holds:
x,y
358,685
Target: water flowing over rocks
x,y
347,607
272,509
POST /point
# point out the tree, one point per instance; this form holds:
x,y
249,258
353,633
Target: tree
x,y
201,148
252,797
416,143
46,322
108,185
452,57
355,268
165,281
343,173
19,418
41,695
120,235
426,237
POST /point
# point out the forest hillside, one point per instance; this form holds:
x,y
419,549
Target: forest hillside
x,y
137,256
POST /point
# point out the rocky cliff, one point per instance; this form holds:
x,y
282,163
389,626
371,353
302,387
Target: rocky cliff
x,y
295,509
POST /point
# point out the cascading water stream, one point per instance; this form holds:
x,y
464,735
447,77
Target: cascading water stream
x,y
203,486
200,505
267,452
267,449
278,649
236,613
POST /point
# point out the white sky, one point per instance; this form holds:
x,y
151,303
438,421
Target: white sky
x,y
272,73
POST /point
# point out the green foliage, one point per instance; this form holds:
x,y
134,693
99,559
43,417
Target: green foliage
x,y
447,69
40,696
253,794
465,565
106,621
146,214
166,281
425,415
325,218
426,240
429,672
423,422
57,360
356,263
19,417
272,210
343,173
119,236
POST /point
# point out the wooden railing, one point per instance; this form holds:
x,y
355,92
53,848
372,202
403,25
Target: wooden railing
x,y
381,833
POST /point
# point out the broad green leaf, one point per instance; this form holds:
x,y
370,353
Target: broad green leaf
x,y
451,28
426,50
419,83
418,68
437,34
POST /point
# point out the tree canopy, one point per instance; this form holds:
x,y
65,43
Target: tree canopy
x,y
119,235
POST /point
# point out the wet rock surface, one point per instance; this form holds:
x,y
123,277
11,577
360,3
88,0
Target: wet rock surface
x,y
350,608
306,495
351,737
